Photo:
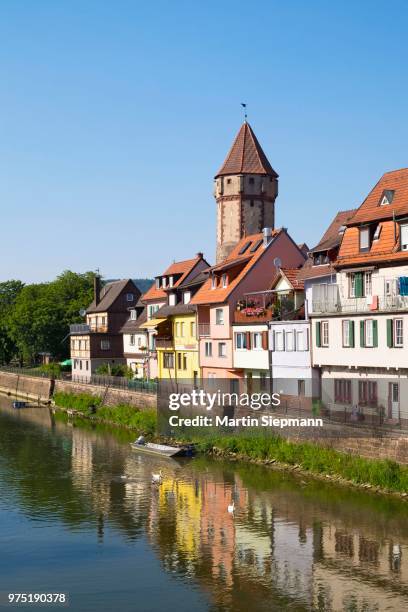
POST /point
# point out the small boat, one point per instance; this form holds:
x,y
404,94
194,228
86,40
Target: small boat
x,y
150,448
19,404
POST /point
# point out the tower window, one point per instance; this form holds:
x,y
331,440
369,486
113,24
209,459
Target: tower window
x,y
251,204
229,181
251,180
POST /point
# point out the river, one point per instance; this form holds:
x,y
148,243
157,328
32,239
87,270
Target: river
x,y
78,514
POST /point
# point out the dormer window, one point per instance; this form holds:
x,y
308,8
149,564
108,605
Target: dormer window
x,y
342,229
164,282
171,281
133,315
172,299
186,297
224,280
377,232
320,259
404,236
387,197
158,283
364,239
213,282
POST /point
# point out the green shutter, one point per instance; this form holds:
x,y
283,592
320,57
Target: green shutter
x,y
318,334
351,333
390,342
362,335
375,333
358,284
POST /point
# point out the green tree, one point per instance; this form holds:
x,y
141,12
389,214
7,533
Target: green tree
x,y
9,291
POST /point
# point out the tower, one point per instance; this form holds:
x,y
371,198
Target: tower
x,y
245,189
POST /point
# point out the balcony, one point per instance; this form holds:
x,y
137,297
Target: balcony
x,y
79,328
253,315
372,303
164,342
204,330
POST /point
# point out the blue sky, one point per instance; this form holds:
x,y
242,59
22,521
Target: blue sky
x,y
116,115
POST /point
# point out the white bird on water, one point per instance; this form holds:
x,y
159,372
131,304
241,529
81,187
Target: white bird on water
x,y
157,478
231,508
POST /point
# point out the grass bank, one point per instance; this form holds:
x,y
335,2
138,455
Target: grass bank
x,y
125,415
385,475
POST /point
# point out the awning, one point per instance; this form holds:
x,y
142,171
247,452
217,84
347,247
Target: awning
x,y
67,362
151,324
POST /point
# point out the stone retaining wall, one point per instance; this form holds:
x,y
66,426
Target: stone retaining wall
x,y
110,395
26,387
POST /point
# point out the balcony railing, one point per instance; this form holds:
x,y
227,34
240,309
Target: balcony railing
x,y
372,303
164,342
251,315
204,330
79,328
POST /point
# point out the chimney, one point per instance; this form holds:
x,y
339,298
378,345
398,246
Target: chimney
x,y
267,236
200,255
97,289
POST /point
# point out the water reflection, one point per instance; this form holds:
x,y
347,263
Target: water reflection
x,y
290,545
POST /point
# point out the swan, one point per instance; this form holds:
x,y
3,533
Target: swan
x,y
157,478
231,508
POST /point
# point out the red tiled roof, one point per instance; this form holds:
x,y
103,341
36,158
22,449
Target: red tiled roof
x,y
386,248
207,295
180,267
331,238
370,209
310,271
292,275
246,155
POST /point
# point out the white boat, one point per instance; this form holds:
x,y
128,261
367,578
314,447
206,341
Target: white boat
x,y
163,450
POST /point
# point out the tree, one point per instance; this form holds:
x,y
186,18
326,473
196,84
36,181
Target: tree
x,y
40,318
9,290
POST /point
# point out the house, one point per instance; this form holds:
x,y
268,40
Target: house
x,y
360,331
99,341
135,341
165,292
249,267
177,340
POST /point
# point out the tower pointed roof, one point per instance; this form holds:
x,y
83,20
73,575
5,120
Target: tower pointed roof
x,y
246,156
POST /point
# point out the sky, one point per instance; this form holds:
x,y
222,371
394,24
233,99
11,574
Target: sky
x,y
115,116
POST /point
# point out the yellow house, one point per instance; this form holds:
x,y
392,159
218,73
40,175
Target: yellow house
x,y
177,337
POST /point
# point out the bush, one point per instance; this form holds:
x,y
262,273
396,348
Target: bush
x,y
119,370
52,370
82,401
129,416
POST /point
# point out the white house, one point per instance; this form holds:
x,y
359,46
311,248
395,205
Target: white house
x,y
135,342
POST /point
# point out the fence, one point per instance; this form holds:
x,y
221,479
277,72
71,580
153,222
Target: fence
x,y
118,382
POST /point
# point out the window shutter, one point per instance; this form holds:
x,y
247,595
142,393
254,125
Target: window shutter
x,y
318,334
235,339
359,284
272,339
375,333
248,339
362,335
351,333
265,340
390,338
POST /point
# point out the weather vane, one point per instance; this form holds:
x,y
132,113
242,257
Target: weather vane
x,y
243,104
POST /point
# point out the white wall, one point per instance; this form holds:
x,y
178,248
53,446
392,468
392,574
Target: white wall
x,y
252,359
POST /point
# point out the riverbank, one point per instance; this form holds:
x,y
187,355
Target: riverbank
x,y
379,476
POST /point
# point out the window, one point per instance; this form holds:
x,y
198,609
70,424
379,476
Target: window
x,y
325,333
219,316
257,340
132,339
404,237
151,310
222,349
177,326
368,283
186,297
301,388
364,239
251,180
193,329
180,361
208,349
129,297
168,360
171,281
387,197
244,248
398,333
377,232
103,321
182,330
369,336
80,364
348,333
105,345
240,340
228,181
279,341
133,315
251,203
367,392
213,282
172,299
158,283
164,282
391,286
342,391
87,365
352,285
302,340
224,280
290,345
